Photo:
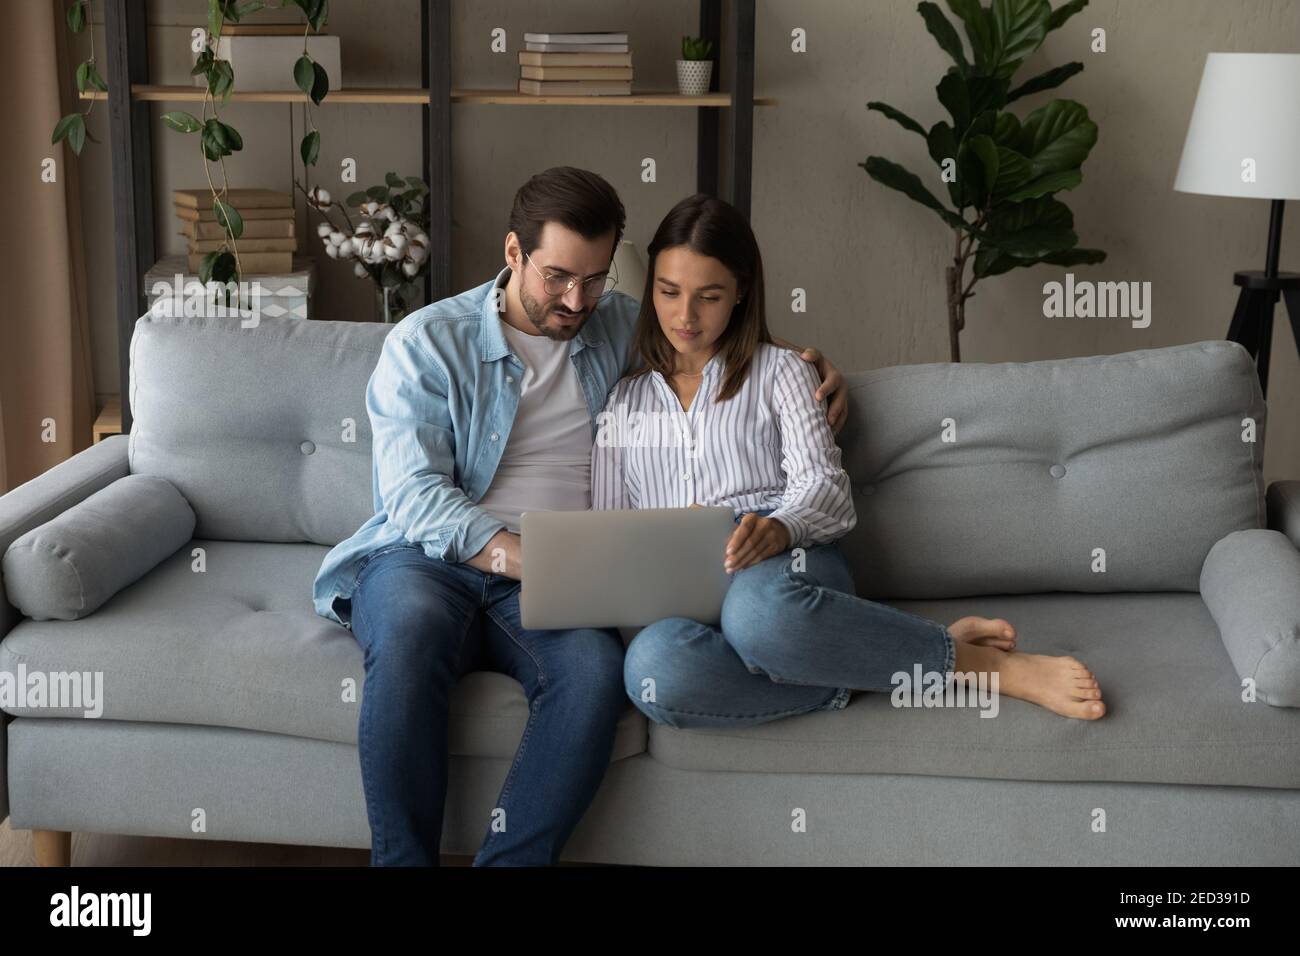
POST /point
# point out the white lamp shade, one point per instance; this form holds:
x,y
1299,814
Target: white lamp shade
x,y
631,270
1247,111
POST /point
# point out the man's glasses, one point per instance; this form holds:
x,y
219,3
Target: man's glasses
x,y
556,283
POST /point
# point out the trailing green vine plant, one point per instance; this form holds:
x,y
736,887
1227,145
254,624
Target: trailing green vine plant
x,y
217,139
1002,173
73,126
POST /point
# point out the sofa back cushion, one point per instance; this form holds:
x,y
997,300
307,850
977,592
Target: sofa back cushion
x,y
263,430
1106,473
265,433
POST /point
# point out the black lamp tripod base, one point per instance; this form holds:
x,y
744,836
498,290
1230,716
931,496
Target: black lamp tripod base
x,y
1252,323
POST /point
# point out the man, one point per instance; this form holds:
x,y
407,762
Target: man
x,y
484,406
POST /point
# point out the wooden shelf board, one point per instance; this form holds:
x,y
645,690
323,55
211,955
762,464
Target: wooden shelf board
x,y
417,96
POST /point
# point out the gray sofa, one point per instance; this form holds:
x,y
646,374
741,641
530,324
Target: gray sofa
x,y
1108,506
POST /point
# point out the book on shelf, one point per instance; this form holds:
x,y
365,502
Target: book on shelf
x,y
188,214
266,30
597,37
252,263
574,59
576,87
253,229
576,47
575,72
246,245
241,199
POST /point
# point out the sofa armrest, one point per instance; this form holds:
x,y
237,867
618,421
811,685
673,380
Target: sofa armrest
x,y
53,492
1284,509
1251,584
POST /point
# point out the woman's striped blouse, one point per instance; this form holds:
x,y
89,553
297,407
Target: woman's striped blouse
x,y
767,447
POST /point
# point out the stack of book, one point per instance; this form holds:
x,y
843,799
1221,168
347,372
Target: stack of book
x,y
575,64
268,242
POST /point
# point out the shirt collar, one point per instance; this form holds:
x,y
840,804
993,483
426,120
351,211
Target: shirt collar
x,y
711,368
492,341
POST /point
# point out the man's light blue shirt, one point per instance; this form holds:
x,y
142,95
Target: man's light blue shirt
x,y
441,401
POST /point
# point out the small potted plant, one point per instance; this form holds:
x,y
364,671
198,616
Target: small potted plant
x,y
694,69
388,245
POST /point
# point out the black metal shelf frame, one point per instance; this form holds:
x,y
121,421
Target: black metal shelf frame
x,y
131,142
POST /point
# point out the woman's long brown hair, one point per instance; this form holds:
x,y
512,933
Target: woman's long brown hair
x,y
715,228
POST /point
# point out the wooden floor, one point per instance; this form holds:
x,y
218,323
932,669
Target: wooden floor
x,y
100,849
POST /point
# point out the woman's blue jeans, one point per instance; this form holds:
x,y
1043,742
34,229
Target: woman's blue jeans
x,y
423,623
794,638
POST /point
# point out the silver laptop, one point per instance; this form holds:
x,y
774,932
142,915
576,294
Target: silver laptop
x,y
623,568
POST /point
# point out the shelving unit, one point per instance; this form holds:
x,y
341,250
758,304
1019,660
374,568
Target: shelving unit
x,y
419,97
130,137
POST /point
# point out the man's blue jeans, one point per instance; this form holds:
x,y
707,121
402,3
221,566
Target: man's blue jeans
x,y
791,641
423,623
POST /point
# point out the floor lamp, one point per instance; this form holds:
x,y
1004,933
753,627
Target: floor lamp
x,y
1244,141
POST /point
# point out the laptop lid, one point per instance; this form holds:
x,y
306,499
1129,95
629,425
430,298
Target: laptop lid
x,y
623,568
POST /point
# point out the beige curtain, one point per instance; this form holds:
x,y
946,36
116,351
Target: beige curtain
x,y
45,358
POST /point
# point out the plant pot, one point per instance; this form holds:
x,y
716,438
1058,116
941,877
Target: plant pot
x,y
693,76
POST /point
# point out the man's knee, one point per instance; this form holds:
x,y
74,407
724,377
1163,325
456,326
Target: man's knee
x,y
595,660
414,630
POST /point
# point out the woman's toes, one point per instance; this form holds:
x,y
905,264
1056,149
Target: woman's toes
x,y
1084,709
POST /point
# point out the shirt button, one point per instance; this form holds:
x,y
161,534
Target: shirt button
x,y
686,476
510,379
495,436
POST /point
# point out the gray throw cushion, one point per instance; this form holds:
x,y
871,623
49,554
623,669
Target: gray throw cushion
x,y
69,566
1102,474
263,430
1251,584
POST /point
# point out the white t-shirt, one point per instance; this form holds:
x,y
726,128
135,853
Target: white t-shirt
x,y
546,464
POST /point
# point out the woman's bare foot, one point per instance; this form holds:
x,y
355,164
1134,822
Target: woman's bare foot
x,y
989,632
1063,685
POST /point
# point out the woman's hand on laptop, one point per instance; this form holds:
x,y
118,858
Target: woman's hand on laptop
x,y
756,539
501,555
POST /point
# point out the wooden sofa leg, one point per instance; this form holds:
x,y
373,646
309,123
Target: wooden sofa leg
x,y
53,847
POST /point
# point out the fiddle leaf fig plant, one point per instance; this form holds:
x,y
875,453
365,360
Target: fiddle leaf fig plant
x,y
1002,172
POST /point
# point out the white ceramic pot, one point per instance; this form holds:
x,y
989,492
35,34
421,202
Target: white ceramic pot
x,y
693,76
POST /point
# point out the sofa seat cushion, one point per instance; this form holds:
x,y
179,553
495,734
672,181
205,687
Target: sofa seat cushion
x,y
239,645
1175,712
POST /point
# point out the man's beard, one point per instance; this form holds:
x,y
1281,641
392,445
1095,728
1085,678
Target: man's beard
x,y
537,315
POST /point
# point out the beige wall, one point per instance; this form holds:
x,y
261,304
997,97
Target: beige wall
x,y
870,260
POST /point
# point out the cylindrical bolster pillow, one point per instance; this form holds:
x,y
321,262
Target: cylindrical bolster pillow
x,y
69,566
1251,583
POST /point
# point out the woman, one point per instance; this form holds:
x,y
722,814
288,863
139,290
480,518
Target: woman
x,y
793,636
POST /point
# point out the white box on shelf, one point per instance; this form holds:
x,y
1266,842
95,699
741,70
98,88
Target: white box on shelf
x,y
171,289
266,62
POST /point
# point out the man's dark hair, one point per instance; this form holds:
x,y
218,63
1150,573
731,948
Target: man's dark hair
x,y
575,198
